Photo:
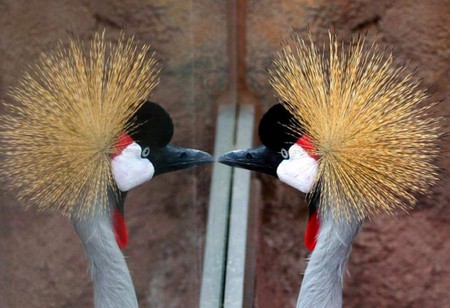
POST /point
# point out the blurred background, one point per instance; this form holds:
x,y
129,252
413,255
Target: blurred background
x,y
399,261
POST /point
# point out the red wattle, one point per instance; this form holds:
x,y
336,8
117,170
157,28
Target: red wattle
x,y
120,229
312,230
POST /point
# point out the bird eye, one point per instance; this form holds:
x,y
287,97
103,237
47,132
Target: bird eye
x,y
145,152
284,153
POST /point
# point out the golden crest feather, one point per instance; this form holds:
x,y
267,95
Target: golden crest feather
x,y
68,113
376,141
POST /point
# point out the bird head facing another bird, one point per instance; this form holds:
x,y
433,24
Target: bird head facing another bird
x,y
286,154
145,152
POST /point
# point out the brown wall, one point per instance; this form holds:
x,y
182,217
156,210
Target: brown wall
x,y
398,261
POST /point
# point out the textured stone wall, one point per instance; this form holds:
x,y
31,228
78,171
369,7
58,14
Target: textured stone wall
x,y
400,261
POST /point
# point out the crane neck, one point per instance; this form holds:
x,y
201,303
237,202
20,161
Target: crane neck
x,y
323,279
111,278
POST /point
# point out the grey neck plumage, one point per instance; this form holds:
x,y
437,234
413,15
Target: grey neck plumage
x,y
322,282
112,282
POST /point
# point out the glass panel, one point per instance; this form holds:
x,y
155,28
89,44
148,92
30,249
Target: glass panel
x,y
42,262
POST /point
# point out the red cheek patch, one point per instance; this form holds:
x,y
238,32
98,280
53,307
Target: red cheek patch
x,y
306,143
124,141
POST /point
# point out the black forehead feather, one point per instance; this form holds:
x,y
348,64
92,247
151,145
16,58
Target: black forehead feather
x,y
274,130
152,125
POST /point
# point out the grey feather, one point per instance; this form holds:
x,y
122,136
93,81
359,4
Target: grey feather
x,y
322,282
111,278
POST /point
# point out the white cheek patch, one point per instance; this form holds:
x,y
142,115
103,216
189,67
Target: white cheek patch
x,y
300,170
130,169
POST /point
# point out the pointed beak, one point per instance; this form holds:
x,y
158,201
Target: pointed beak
x,y
172,158
259,159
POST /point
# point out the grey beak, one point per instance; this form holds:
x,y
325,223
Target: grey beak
x,y
259,159
171,158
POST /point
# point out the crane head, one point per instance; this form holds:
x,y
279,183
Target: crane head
x,y
145,152
285,154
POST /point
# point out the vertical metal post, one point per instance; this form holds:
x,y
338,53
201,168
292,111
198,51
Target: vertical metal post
x,y
236,269
227,271
213,276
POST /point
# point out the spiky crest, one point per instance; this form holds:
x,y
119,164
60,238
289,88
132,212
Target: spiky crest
x,y
376,141
68,112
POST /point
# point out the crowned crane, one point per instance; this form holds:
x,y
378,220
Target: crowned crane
x,y
350,134
140,156
80,135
